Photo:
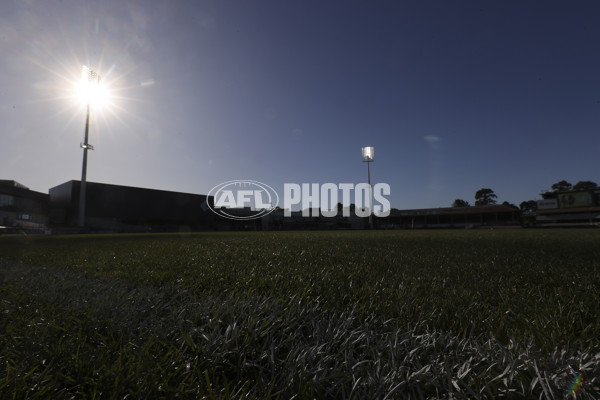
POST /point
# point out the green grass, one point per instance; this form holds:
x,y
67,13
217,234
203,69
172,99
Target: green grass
x,y
411,314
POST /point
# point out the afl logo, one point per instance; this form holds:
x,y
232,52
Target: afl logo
x,y
243,199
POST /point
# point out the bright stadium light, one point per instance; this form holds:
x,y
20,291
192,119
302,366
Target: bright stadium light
x,y
92,92
91,89
368,155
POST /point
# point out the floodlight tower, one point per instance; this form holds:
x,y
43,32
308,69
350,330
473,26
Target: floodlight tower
x,y
368,155
90,80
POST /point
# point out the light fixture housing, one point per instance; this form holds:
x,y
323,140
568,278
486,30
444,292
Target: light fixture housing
x,y
90,76
368,154
91,89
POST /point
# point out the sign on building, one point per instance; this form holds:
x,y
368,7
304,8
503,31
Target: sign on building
x,y
547,204
578,199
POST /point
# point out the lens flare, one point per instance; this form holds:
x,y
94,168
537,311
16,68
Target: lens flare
x,y
91,89
576,384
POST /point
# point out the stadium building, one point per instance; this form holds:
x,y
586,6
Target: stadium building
x,y
569,209
22,210
114,208
495,215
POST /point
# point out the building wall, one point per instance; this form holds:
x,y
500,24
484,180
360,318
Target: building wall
x,y
493,215
569,209
124,208
22,209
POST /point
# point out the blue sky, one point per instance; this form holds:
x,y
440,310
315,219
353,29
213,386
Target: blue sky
x,y
453,95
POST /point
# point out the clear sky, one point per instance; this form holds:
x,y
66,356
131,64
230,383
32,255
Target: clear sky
x,y
453,95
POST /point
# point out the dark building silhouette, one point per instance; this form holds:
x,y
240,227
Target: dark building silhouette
x,y
569,209
296,221
22,209
115,208
453,217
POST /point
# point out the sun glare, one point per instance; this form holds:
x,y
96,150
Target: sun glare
x,y
102,91
91,89
96,95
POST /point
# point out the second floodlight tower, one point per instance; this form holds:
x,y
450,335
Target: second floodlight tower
x,y
90,80
368,155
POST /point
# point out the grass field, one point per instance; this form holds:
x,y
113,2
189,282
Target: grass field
x,y
381,314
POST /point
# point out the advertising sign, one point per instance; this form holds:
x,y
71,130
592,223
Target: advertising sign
x,y
573,200
547,204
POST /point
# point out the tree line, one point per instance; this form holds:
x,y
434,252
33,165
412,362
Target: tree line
x,y
483,197
486,196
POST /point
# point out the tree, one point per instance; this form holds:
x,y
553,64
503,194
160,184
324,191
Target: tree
x,y
529,206
585,185
460,203
528,209
511,205
562,186
484,197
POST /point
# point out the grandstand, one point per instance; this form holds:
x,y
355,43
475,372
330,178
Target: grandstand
x,y
569,209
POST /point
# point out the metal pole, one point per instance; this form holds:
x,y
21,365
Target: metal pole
x,y
370,195
84,170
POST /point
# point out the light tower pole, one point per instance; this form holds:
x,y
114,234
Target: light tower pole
x,y
368,155
90,80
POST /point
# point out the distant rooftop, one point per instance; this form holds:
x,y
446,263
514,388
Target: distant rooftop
x,y
10,183
490,208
